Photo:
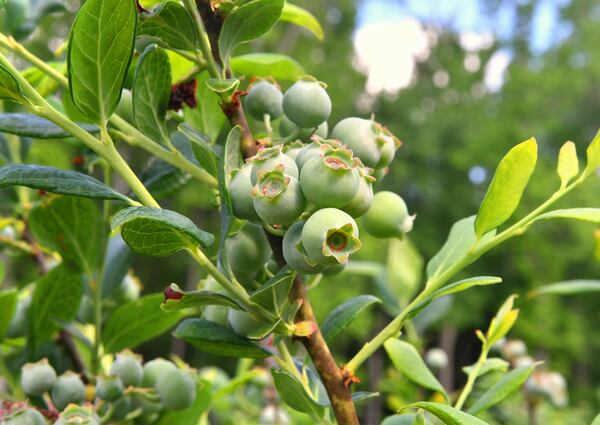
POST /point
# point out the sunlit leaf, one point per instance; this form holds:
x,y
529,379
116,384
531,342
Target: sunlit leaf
x,y
568,164
303,18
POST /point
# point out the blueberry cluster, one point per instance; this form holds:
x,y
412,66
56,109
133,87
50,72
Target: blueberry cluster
x,y
311,188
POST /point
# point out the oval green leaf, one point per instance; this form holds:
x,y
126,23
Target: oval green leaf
x,y
489,365
568,164
273,293
29,125
294,395
568,287
463,285
591,215
274,65
303,18
448,415
171,25
345,314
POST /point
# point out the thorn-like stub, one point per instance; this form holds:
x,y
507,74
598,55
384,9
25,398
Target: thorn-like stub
x,y
348,377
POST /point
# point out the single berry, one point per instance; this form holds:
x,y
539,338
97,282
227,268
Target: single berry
x,y
436,358
109,387
313,150
331,180
277,197
264,98
287,128
26,417
177,389
329,236
363,198
154,369
307,103
242,322
269,158
128,367
369,141
294,254
217,377
388,216
68,389
37,378
240,187
249,249
293,149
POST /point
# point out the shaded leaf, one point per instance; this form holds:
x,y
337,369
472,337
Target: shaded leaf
x,y
8,305
568,164
303,18
136,322
584,214
568,287
207,117
491,364
345,314
507,187
54,180
193,299
274,65
29,125
273,293
163,179
201,147
117,260
9,88
158,232
171,25
216,339
448,415
292,392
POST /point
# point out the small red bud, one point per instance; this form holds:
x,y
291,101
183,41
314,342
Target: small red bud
x,y
171,294
78,160
42,192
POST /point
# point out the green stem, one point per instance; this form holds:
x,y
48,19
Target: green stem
x,y
203,39
473,374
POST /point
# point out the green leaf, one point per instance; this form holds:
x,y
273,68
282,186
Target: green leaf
x,y
584,214
465,284
503,321
220,86
489,365
100,50
568,287
55,299
303,18
171,25
292,392
403,419
201,147
274,65
158,232
29,125
502,389
9,88
216,339
151,92
191,415
568,164
193,299
593,155
163,179
207,117
460,239
54,180
248,22
596,420
407,360
8,305
448,415
117,260
345,314
73,227
136,322
362,396
507,187
272,295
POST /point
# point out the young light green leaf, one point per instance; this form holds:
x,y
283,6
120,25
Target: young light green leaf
x,y
55,299
151,92
29,125
54,180
448,415
73,227
568,164
274,65
100,50
584,214
220,86
158,232
404,271
8,305
408,362
213,338
273,293
207,117
248,22
9,88
294,395
463,285
171,25
136,322
345,314
194,299
489,365
503,321
303,18
201,147
593,155
507,187
596,420
502,389
568,287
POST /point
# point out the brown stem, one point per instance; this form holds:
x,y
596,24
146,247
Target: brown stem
x,y
66,340
235,113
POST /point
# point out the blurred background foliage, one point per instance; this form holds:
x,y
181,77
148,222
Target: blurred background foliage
x,y
460,109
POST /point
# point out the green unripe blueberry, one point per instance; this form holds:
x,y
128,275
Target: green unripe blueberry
x,y
74,414
217,377
329,236
269,158
249,249
242,322
37,378
306,103
177,389
293,149
20,321
68,389
369,141
128,367
109,387
122,407
436,358
313,150
240,187
294,254
154,369
277,198
331,180
363,198
335,269
27,417
388,216
287,128
264,98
